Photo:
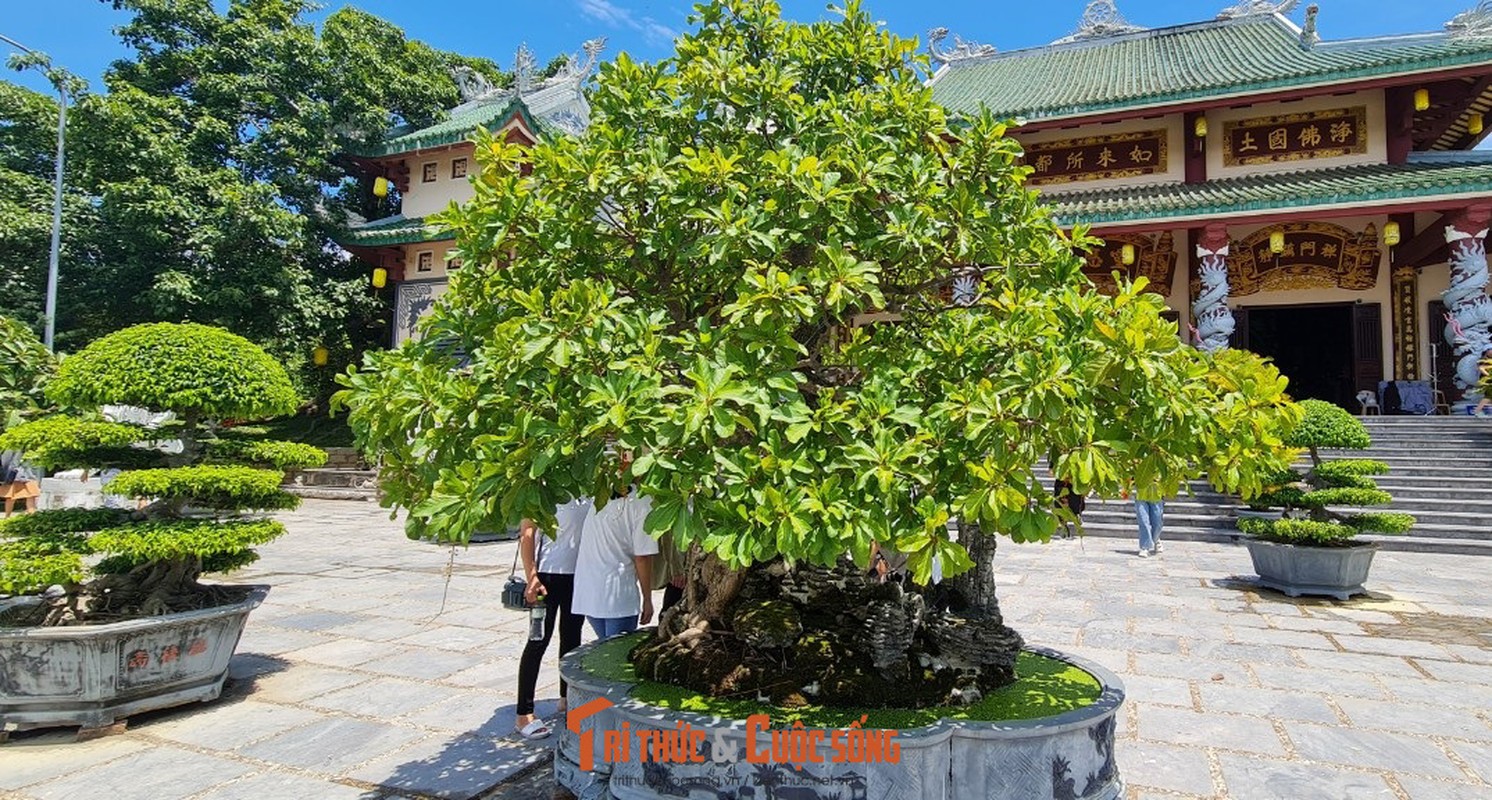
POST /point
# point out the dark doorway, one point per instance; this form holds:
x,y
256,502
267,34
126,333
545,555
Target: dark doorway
x,y
1313,346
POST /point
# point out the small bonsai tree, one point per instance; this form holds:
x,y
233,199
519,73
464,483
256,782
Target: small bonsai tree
x,y
1310,499
193,516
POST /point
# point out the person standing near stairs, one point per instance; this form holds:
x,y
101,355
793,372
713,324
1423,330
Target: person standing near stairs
x,y
1150,514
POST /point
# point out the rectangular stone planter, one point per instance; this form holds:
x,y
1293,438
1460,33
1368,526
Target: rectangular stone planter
x,y
1297,570
92,675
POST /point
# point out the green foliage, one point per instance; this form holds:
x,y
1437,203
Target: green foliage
x,y
61,442
1328,425
25,570
25,367
280,455
150,542
60,522
1327,486
208,486
1321,498
1352,466
1306,532
764,190
183,368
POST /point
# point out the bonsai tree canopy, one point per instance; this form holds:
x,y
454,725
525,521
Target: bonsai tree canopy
x,y
823,315
1312,500
192,517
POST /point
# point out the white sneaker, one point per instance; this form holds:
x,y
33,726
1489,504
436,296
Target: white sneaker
x,y
1144,554
1158,549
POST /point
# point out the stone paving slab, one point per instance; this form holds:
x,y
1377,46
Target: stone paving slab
x,y
365,675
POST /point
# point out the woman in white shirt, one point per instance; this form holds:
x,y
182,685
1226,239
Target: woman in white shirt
x,y
614,571
552,577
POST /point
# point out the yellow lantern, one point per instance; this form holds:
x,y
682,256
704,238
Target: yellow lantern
x,y
1277,242
1127,254
1200,128
319,356
1474,124
381,187
1391,234
380,277
1421,99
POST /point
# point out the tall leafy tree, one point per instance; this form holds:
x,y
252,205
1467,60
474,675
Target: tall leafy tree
x,y
740,273
212,167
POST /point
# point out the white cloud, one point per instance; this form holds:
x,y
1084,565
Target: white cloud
x,y
616,16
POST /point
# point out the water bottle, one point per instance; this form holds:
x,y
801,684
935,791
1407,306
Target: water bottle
x,y
536,621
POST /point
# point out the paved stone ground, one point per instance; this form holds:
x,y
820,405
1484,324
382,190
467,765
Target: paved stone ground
x,y
365,676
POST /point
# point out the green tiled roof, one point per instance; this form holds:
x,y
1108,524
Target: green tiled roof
x,y
1457,175
1189,62
396,230
455,128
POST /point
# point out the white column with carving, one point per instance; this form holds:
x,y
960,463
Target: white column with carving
x,y
1214,319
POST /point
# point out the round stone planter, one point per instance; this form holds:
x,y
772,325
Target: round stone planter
x,y
92,675
1069,755
1297,570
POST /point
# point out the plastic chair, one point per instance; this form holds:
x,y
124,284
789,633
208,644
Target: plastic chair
x,y
1369,402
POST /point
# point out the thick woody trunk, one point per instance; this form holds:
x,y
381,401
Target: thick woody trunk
x,y
836,635
977,586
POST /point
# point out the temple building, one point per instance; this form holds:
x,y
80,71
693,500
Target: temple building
x,y
1317,201
428,168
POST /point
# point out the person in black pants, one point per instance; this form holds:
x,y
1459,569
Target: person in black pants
x,y
551,579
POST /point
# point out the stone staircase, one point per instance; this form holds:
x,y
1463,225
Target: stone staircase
x,y
334,484
1441,472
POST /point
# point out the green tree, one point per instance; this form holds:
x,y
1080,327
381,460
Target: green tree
x,y
193,523
738,273
207,180
1312,499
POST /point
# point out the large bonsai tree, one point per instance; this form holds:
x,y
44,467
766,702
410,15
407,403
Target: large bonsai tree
x,y
1313,500
823,315
191,517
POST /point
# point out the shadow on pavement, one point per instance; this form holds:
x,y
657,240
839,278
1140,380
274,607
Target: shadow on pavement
x,y
474,763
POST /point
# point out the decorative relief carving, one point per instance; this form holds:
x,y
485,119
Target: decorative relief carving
x,y
1293,137
1155,260
1475,23
1100,19
1316,255
1092,158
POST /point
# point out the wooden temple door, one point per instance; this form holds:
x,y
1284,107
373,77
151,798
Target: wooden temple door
x,y
1367,346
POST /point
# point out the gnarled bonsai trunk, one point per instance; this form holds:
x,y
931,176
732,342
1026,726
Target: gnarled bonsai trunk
x,y
804,634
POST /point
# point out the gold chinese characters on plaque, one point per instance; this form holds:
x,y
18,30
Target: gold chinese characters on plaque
x,y
1093,158
1155,260
1315,255
1292,137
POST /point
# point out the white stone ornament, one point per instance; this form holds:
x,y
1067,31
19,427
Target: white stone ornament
x,y
962,50
1475,23
1254,8
1100,19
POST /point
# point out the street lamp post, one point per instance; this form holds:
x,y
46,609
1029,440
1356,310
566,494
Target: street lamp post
x,y
60,86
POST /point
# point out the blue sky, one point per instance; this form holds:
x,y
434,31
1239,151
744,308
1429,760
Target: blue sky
x,y
78,33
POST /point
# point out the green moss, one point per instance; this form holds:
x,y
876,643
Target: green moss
x,y
1046,687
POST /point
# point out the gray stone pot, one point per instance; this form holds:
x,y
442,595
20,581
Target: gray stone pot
x,y
1069,755
92,675
1338,572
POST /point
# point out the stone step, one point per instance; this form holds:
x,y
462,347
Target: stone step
x,y
335,478
332,493
1448,525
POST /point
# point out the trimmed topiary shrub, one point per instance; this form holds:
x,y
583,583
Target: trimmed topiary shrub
x,y
1312,500
191,516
